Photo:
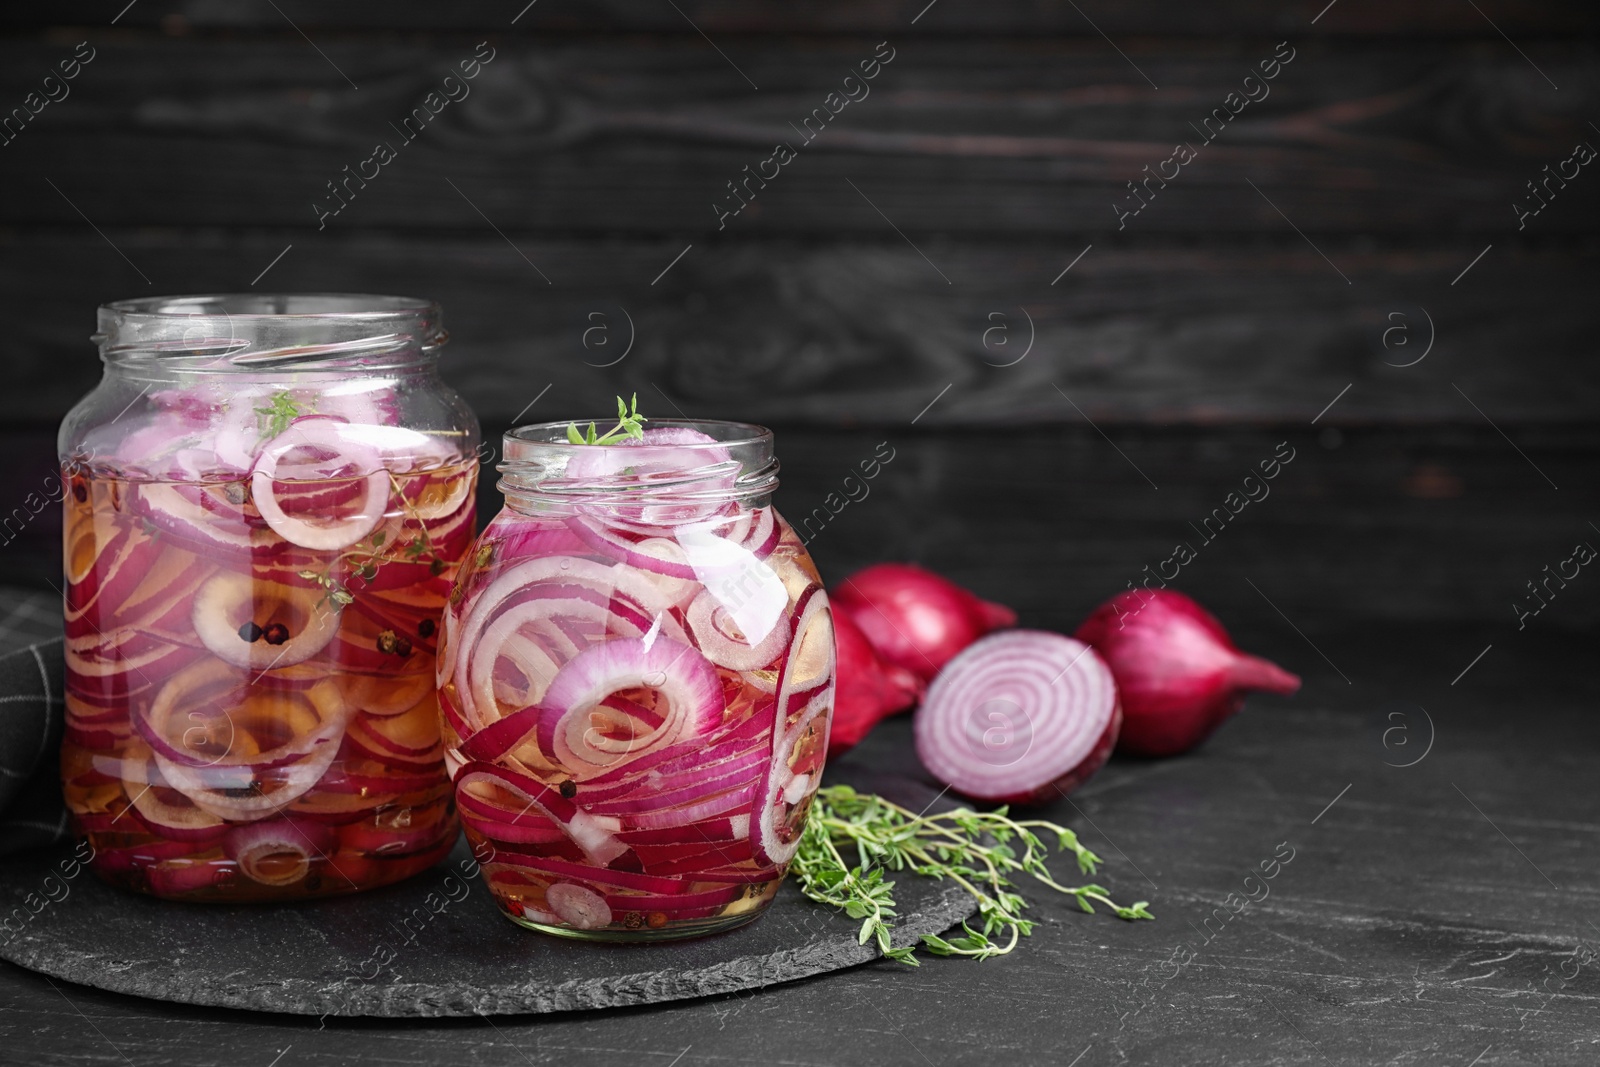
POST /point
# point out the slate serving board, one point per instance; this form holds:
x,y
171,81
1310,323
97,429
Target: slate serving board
x,y
432,946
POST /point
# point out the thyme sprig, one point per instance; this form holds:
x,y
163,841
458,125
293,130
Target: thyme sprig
x,y
363,559
980,851
629,424
274,419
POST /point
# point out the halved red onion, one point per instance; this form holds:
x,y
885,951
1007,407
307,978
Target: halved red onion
x,y
278,852
1019,717
578,906
334,456
677,673
230,602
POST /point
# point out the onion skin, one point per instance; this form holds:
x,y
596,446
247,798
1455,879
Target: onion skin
x,y
867,690
915,619
1177,670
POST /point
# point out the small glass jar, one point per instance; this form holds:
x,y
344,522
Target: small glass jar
x,y
267,499
636,683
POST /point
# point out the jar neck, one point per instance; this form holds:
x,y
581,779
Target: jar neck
x,y
670,472
267,335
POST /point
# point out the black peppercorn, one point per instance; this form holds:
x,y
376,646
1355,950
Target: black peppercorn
x,y
426,627
276,634
569,788
250,632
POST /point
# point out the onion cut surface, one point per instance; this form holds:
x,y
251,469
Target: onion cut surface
x,y
1019,717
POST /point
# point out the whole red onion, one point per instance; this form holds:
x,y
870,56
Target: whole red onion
x,y
866,688
915,619
1178,672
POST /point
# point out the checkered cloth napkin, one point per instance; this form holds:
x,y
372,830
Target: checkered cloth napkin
x,y
31,712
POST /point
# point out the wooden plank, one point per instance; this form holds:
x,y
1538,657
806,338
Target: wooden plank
x,y
855,332
1137,17
977,137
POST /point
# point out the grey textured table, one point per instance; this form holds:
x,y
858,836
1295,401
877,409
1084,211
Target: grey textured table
x,y
1443,913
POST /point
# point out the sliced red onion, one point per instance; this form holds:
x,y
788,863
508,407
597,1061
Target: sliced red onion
x,y
386,694
590,833
177,877
680,675
676,470
723,643
519,583
552,869
384,836
231,601
186,521
1018,716
287,783
776,821
542,832
151,589
340,457
607,540
578,906
812,654
743,583
724,804
414,733
142,782
278,852
314,717
122,662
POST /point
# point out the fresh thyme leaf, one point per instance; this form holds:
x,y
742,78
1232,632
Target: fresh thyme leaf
x,y
629,424
272,420
981,851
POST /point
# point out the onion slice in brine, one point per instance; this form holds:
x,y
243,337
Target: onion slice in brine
x,y
588,739
334,457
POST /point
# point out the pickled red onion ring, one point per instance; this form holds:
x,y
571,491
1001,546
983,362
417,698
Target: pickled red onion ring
x,y
291,781
233,600
601,537
278,852
679,675
773,830
174,822
578,906
723,643
324,434
590,833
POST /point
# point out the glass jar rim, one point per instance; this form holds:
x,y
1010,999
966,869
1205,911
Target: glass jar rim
x,y
257,332
724,433
738,464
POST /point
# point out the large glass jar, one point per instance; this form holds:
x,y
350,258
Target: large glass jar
x,y
636,683
267,498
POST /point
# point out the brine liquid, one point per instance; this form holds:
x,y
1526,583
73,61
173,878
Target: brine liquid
x,y
247,718
636,718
